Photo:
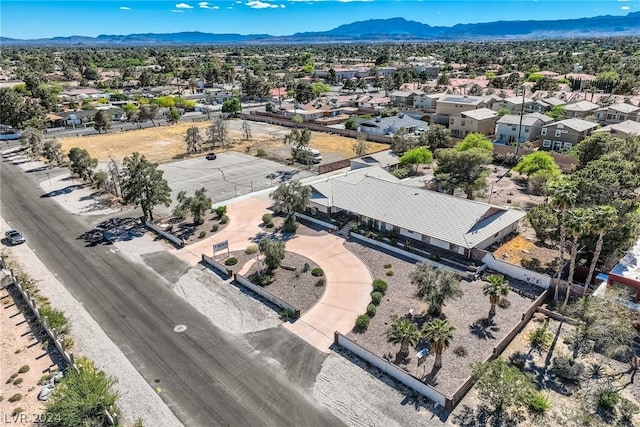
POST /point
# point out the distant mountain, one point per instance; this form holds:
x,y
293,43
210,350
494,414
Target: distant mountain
x,y
378,30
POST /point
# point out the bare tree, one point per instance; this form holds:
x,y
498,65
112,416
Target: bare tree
x,y
361,146
246,130
218,133
193,140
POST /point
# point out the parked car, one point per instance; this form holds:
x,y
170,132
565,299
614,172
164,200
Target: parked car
x,y
210,156
14,237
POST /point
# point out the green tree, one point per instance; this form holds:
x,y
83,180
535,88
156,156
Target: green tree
x,y
544,221
102,121
502,385
198,204
304,93
144,184
603,219
33,141
231,106
402,141
475,140
290,198
299,139
435,286
19,112
439,334
404,332
437,136
557,113
173,115
497,286
52,151
100,179
503,112
273,251
466,170
193,140
218,132
595,146
416,156
81,163
577,223
536,162
361,146
148,112
351,123
563,196
82,397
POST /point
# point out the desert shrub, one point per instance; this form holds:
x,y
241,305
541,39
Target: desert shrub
x,y
11,378
285,315
362,322
567,368
517,359
44,379
379,286
538,403
215,227
18,381
320,282
627,409
317,272
540,338
224,219
371,310
460,351
269,224
17,411
376,297
596,370
267,218
202,235
608,399
261,153
231,261
261,279
251,249
389,273
387,266
15,397
220,211
56,318
504,303
305,267
290,225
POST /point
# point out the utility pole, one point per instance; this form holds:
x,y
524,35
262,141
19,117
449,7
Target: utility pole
x,y
520,126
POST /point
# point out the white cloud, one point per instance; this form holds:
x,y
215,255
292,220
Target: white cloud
x,y
229,7
257,4
204,5
183,6
215,7
625,8
125,8
282,6
177,11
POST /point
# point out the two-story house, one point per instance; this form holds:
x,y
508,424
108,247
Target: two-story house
x,y
401,98
622,130
617,113
508,127
580,109
449,105
562,135
516,105
482,120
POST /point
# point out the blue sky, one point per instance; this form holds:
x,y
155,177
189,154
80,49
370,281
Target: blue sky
x,y
29,19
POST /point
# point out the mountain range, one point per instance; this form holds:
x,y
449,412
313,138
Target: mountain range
x,y
377,31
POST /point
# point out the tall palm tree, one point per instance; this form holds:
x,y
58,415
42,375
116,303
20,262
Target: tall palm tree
x,y
404,332
578,223
604,218
439,334
563,196
496,287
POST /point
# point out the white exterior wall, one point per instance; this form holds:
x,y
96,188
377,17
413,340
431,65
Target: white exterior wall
x,y
488,242
411,234
439,243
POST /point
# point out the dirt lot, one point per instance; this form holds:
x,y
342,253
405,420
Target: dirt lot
x,y
166,143
508,191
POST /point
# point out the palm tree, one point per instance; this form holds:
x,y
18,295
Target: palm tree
x,y
404,332
496,287
439,334
578,223
563,196
604,218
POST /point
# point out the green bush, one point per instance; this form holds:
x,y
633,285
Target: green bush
x,y
251,249
389,273
261,279
379,286
56,318
540,338
538,403
285,315
567,368
317,272
18,381
290,225
387,266
17,411
320,282
371,310
627,409
11,378
224,219
608,399
504,303
267,218
376,297
231,261
270,224
202,235
15,397
460,351
215,228
261,153
44,379
305,267
362,322
220,211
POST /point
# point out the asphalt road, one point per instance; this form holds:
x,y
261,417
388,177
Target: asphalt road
x,y
207,377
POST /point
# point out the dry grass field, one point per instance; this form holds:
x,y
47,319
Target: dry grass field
x,y
166,143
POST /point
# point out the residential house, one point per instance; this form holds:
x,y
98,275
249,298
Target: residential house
x,y
427,101
516,105
391,125
375,102
454,104
306,114
482,120
508,127
562,135
455,224
401,98
546,104
76,118
382,159
622,130
617,113
580,109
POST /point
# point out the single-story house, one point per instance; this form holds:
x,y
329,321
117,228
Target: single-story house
x,y
391,125
382,159
508,127
562,135
622,130
448,222
482,120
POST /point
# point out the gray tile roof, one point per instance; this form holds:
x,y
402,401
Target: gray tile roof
x,y
628,127
581,106
527,119
463,222
480,114
576,124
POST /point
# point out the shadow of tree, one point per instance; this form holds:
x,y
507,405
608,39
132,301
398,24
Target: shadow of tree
x,y
483,416
484,328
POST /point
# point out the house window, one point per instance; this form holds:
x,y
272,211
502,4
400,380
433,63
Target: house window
x,y
453,248
558,133
543,131
526,129
567,146
513,128
546,143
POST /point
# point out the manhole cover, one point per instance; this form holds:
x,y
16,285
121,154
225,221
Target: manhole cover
x,y
180,328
